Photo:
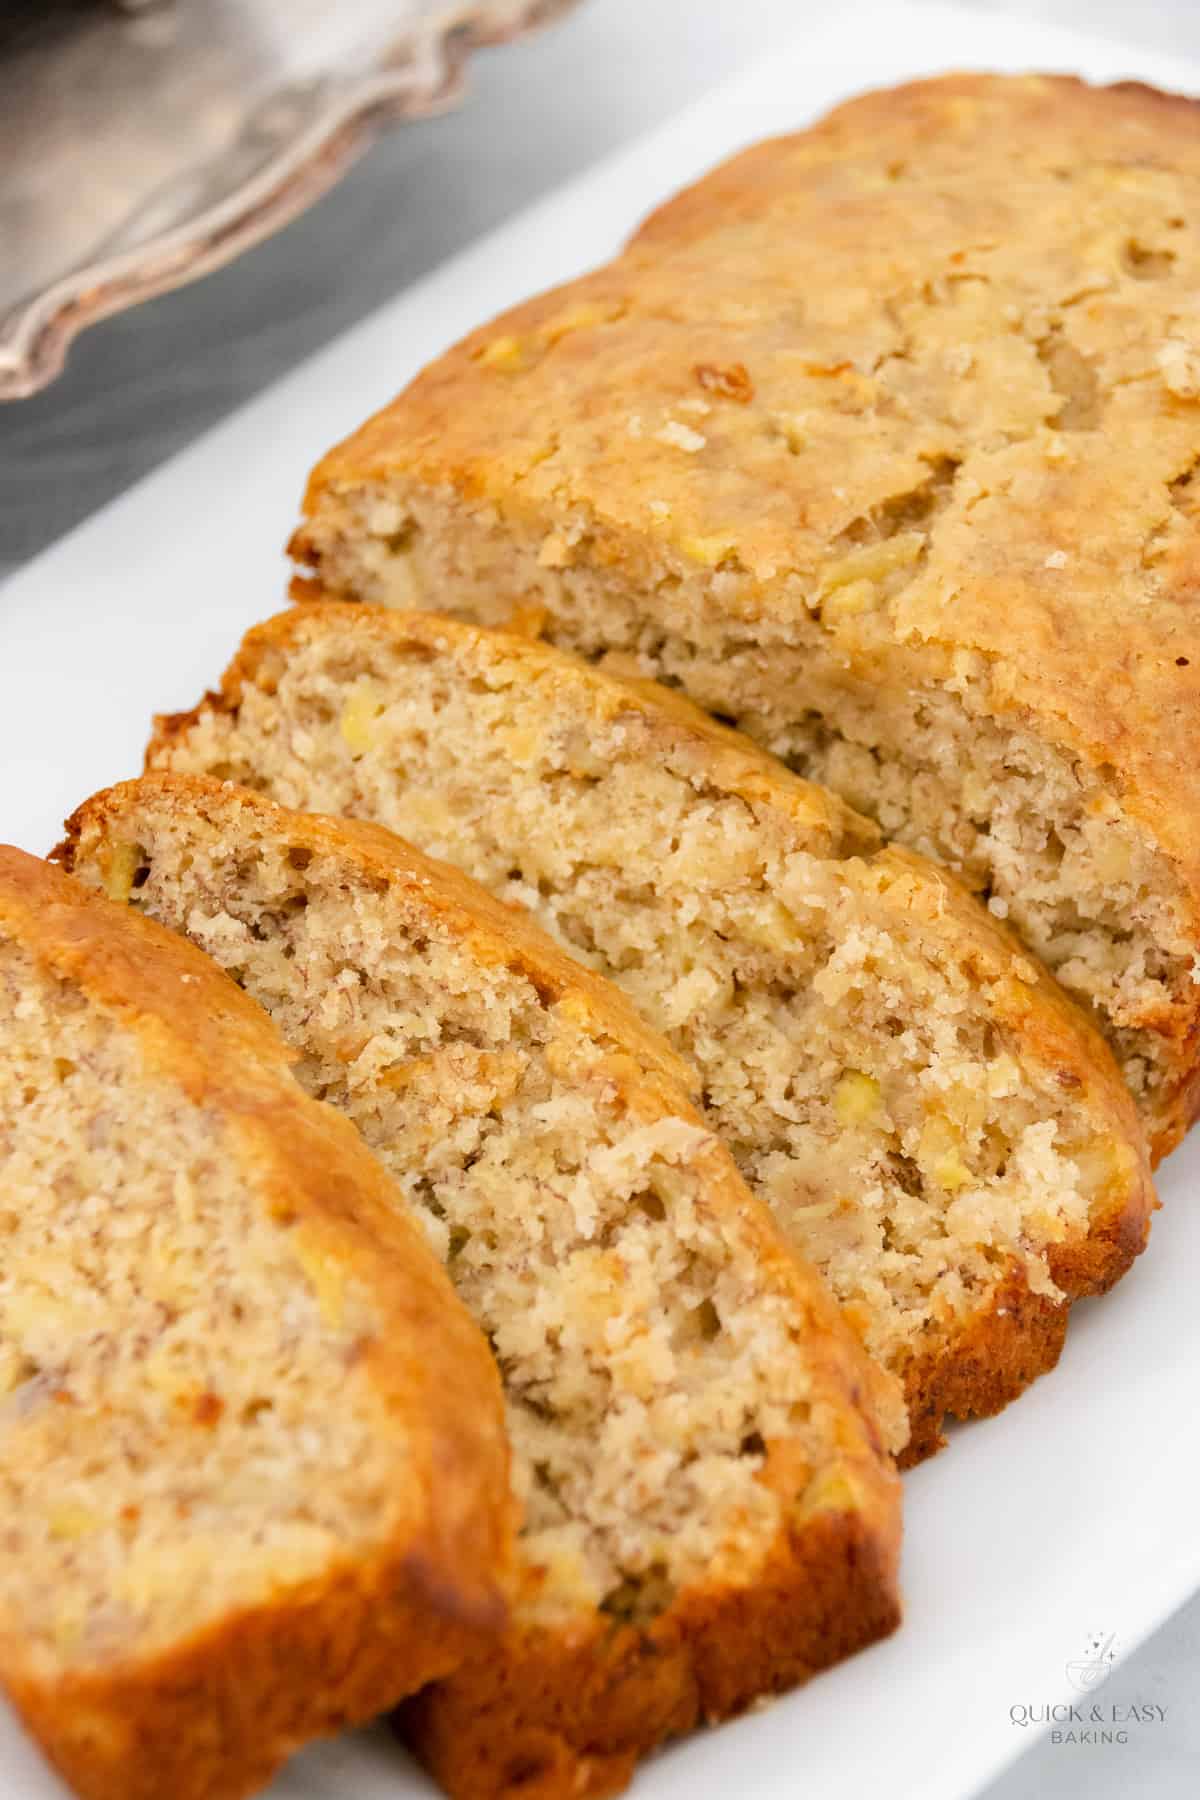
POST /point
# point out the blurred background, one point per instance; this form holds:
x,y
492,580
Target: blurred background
x,y
143,384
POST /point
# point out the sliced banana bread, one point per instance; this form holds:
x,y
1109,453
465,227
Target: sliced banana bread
x,y
253,1470
709,1515
883,440
929,1118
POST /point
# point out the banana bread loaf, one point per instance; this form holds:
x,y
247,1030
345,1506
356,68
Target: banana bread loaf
x,y
709,1514
930,1120
883,441
254,1476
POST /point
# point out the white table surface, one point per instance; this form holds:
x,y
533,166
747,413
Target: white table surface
x,y
146,383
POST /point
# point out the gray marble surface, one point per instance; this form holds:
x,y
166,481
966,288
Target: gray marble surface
x,y
145,384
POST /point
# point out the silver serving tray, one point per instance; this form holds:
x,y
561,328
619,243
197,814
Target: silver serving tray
x,y
142,145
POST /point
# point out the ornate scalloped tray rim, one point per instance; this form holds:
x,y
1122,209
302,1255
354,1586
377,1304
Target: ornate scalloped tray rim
x,y
424,74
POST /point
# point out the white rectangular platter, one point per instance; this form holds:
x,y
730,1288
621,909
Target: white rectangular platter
x,y
1073,1513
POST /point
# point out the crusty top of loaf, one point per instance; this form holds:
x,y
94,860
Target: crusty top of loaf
x,y
962,309
199,1032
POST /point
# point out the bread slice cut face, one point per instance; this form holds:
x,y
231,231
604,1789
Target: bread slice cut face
x,y
253,1468
709,1513
932,1122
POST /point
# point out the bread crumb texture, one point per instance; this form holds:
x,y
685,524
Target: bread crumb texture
x,y
155,1263
928,1119
216,1490
912,496
683,1402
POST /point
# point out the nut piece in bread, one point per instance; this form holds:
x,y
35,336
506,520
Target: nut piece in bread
x,y
254,1478
884,441
709,1513
931,1121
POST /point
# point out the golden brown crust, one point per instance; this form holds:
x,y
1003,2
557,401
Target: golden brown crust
x,y
1018,1338
1002,1350
1004,272
836,1558
216,1714
557,1721
215,1719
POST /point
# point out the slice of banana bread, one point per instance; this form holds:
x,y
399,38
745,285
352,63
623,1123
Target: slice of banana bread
x,y
931,1121
882,440
709,1515
254,1475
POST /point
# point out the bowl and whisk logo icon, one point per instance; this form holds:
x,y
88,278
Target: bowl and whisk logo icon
x,y
1088,1671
